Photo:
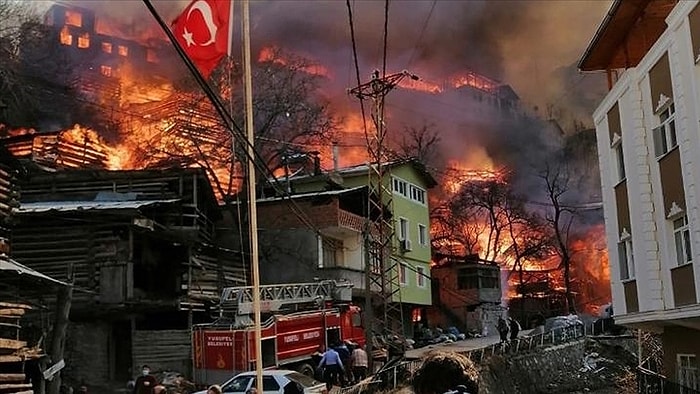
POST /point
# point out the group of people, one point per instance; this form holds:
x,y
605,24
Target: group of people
x,y
508,326
343,364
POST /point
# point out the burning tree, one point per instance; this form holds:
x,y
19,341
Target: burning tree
x,y
288,109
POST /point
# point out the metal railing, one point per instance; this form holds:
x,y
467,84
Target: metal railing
x,y
650,382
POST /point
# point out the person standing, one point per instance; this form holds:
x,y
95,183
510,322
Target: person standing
x,y
333,367
514,328
359,363
146,383
502,328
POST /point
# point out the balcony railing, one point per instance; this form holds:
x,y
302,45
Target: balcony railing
x,y
350,221
649,382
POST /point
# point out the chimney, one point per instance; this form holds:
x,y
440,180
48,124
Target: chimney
x,y
317,165
335,156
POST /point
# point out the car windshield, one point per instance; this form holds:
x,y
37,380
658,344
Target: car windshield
x,y
237,385
302,379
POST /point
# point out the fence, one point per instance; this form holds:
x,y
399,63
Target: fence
x,y
649,382
389,378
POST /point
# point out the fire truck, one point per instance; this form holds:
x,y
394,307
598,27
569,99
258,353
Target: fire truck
x,y
298,319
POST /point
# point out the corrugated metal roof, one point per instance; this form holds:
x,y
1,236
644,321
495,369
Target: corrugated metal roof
x,y
313,194
70,206
7,264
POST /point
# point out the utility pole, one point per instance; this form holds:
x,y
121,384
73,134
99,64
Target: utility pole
x,y
383,309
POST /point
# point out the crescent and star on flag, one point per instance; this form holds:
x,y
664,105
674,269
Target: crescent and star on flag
x,y
204,8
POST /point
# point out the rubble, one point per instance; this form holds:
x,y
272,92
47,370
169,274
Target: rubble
x,y
584,366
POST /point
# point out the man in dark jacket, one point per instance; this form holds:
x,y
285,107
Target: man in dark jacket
x,y
146,382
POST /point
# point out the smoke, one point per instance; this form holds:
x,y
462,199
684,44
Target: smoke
x,y
530,45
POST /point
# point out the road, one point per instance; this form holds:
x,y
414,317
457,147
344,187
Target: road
x,y
460,346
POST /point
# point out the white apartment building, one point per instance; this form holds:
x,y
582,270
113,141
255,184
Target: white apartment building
x,y
648,130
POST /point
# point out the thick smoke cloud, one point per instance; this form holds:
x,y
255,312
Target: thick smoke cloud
x,y
531,45
519,42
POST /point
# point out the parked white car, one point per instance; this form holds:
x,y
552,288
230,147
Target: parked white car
x,y
273,382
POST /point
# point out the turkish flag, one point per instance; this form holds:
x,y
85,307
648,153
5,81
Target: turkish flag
x,y
202,30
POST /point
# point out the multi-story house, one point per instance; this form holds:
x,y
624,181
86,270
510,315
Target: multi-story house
x,y
466,294
340,243
649,150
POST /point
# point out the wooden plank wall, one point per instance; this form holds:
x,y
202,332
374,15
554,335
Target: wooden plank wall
x,y
162,350
51,246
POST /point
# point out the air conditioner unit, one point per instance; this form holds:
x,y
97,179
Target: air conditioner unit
x,y
406,245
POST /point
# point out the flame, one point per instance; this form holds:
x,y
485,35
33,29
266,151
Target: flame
x,y
74,18
272,54
65,37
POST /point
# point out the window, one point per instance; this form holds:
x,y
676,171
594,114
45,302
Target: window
x,y
681,235
107,47
269,384
402,274
625,253
403,229
687,372
332,252
84,40
467,278
620,158
400,187
417,194
665,134
74,18
420,276
65,37
237,385
106,71
123,50
408,190
422,235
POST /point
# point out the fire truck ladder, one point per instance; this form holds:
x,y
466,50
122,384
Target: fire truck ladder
x,y
275,297
383,308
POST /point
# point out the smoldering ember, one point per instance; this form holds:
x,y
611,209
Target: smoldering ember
x,y
231,196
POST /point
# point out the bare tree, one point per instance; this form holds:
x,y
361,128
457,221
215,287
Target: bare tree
x,y
421,142
556,178
288,107
16,97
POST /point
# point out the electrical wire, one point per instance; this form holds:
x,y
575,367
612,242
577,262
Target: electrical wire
x,y
420,36
386,36
357,68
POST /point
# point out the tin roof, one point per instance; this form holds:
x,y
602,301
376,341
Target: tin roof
x,y
72,206
7,264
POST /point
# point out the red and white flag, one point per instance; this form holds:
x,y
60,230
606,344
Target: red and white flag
x,y
203,30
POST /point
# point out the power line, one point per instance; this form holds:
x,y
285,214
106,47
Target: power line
x,y
420,36
357,67
386,36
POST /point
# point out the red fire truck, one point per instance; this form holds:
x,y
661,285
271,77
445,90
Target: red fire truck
x,y
297,320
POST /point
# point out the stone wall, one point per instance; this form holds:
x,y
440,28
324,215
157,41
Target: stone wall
x,y
560,369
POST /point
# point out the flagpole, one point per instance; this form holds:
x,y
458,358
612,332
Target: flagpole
x,y
226,116
253,217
